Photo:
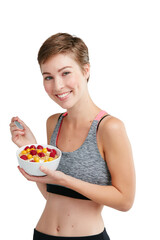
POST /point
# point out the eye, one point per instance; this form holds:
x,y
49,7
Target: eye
x,y
65,73
48,78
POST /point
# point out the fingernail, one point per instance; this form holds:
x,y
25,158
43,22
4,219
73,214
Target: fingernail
x,y
42,168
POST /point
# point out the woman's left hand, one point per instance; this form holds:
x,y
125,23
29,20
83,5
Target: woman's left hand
x,y
51,177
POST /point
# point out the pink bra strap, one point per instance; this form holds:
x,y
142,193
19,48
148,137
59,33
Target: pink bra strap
x,y
64,114
100,115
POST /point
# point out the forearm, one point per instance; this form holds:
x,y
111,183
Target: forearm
x,y
43,189
104,195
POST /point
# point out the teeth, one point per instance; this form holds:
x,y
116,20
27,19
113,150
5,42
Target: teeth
x,y
63,95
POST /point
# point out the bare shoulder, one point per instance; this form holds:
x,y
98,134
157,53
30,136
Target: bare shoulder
x,y
53,118
110,125
50,125
111,131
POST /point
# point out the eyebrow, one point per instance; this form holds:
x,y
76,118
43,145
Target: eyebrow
x,y
59,70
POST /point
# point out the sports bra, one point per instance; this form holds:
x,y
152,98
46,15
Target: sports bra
x,y
85,163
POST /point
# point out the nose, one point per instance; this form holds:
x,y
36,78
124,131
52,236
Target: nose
x,y
59,84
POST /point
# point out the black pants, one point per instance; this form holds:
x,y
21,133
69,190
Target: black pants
x,y
41,236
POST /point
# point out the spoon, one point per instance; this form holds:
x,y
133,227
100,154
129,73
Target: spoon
x,y
18,124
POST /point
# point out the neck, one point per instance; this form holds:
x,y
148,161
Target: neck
x,y
84,111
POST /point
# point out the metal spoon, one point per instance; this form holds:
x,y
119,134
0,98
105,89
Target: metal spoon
x,y
18,124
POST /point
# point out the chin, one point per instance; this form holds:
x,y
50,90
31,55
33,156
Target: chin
x,y
66,105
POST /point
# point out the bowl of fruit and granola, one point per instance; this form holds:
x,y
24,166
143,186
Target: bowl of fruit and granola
x,y
31,157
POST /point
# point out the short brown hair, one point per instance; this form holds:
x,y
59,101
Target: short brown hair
x,y
64,43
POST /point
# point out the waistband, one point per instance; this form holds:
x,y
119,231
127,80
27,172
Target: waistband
x,y
42,236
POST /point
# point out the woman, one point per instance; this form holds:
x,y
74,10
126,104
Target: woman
x,y
96,167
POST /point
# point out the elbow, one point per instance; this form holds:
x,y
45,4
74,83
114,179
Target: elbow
x,y
126,205
122,205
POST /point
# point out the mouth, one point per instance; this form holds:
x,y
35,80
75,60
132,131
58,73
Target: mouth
x,y
63,96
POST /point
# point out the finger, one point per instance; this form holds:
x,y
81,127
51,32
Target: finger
x,y
19,120
26,175
23,172
31,178
17,134
22,123
12,124
14,119
46,171
15,128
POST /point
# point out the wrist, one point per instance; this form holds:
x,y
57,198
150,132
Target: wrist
x,y
66,180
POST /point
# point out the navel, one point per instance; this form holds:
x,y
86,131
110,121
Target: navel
x,y
58,228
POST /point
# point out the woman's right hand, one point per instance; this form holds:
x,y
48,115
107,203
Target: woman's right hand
x,y
23,136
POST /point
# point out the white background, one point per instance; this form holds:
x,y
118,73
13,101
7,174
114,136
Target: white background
x,y
123,38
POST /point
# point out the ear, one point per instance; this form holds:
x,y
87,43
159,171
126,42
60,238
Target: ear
x,y
86,70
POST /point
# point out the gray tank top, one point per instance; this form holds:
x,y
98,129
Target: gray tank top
x,y
85,163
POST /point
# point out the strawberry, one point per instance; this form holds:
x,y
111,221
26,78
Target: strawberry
x,y
26,148
24,157
41,154
32,161
52,154
32,146
33,152
49,150
39,147
54,151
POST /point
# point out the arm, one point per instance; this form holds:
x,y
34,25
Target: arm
x,y
50,125
24,137
118,155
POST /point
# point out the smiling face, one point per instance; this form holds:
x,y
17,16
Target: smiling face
x,y
64,81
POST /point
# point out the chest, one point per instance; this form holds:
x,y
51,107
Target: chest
x,y
70,139
82,156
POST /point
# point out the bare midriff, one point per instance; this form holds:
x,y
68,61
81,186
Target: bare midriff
x,y
65,216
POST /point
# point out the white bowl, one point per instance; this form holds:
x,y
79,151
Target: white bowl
x,y
32,168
